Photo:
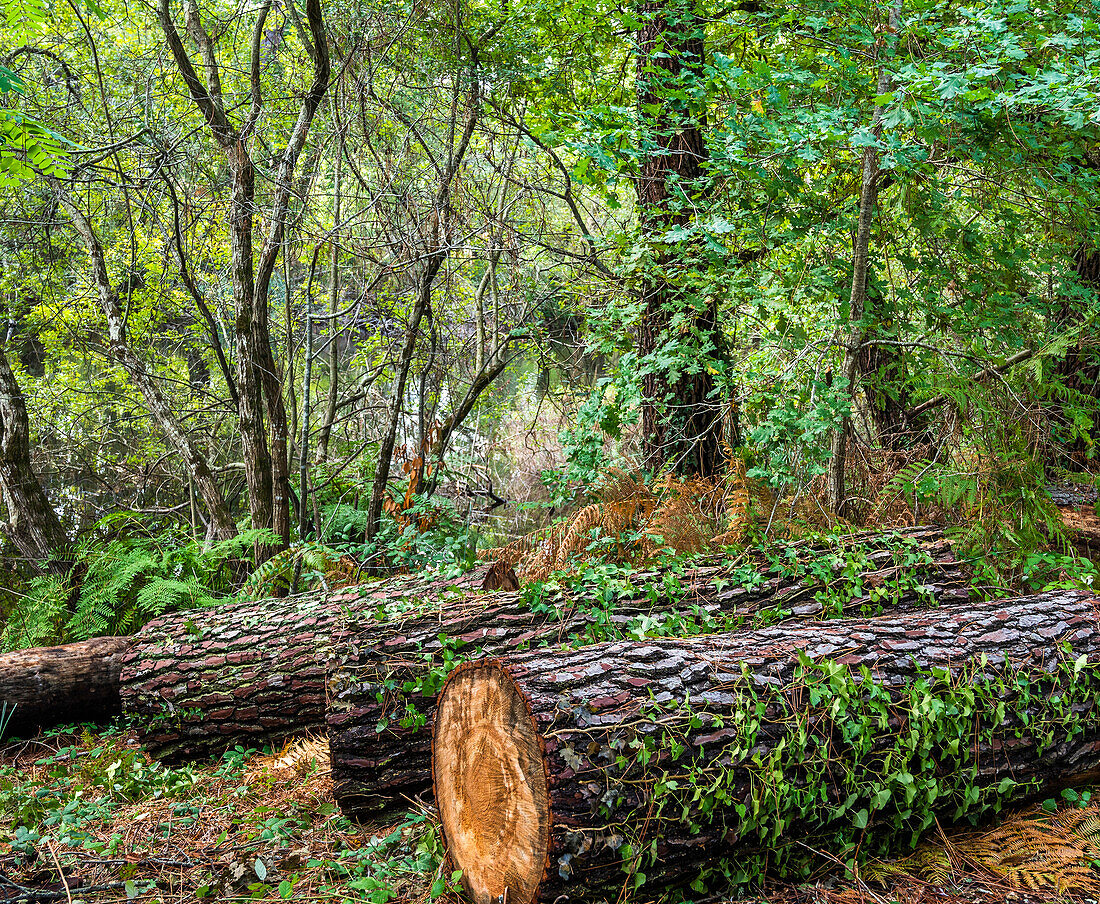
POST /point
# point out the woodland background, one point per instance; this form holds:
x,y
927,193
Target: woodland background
x,y
339,280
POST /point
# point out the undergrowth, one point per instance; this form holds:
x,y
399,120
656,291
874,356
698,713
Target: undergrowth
x,y
121,584
92,818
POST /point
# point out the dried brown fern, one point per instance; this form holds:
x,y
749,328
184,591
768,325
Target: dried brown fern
x,y
632,522
1032,850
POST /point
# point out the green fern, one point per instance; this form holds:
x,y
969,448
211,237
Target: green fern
x,y
115,575
162,595
315,560
126,582
39,617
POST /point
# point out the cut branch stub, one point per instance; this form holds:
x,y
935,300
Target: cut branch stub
x,y
672,757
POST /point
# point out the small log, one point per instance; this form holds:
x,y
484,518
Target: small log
x,y
76,682
1073,495
554,771
201,681
1076,505
384,676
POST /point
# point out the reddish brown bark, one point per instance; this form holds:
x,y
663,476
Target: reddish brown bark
x,y
201,681
585,707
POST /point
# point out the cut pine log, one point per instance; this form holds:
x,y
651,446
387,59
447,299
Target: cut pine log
x,y
384,676
47,686
555,771
202,681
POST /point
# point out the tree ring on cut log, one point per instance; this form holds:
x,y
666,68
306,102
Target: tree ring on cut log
x,y
490,784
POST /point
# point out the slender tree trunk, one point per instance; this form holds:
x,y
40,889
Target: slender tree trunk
x,y
178,439
861,256
334,306
404,365
32,524
681,417
307,410
250,406
259,381
436,254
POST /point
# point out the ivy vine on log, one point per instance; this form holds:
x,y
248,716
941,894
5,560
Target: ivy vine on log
x,y
387,668
571,775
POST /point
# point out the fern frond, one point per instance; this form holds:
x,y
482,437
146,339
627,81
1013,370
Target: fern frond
x,y
37,619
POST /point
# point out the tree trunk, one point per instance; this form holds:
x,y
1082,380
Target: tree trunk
x,y
155,402
384,676
77,682
259,383
404,365
334,306
32,524
886,385
200,681
554,771
681,420
836,491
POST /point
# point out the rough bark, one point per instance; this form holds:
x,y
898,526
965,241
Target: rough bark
x,y
540,780
384,676
32,524
77,682
201,681
681,420
885,382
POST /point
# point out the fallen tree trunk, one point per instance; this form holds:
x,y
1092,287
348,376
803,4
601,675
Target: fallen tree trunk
x,y
556,771
46,686
384,676
201,681
1077,508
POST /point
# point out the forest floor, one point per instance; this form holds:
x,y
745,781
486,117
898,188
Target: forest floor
x,y
97,821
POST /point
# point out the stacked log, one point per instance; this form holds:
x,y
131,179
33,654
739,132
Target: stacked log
x,y
201,681
554,771
384,676
76,682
